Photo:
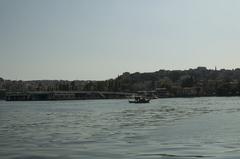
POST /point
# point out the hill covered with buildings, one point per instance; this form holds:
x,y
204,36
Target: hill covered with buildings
x,y
163,83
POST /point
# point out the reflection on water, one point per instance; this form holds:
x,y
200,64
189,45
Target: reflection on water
x,y
165,128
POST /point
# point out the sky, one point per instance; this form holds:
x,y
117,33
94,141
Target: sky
x,y
101,39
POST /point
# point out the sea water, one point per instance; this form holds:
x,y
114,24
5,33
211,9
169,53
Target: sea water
x,y
173,128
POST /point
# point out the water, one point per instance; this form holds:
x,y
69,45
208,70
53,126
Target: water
x,y
177,128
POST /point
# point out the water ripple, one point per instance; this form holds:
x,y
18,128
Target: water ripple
x,y
165,128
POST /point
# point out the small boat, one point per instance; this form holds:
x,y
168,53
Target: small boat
x,y
139,100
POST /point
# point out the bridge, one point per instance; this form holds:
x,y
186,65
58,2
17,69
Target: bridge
x,y
65,95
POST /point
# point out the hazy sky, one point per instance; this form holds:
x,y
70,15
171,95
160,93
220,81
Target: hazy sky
x,y
99,39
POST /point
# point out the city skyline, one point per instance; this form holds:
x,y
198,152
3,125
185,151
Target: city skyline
x,y
98,40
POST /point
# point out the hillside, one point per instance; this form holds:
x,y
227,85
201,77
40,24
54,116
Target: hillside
x,y
192,82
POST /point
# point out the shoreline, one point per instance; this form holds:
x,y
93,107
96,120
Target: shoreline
x,y
63,96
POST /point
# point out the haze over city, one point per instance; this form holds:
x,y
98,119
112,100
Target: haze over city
x,y
97,40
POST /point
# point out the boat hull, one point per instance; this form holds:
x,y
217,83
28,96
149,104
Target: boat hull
x,y
139,102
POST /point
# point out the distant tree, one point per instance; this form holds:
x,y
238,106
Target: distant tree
x,y
188,82
175,75
100,86
73,85
224,90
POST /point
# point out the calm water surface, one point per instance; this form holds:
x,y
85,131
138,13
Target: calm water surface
x,y
180,128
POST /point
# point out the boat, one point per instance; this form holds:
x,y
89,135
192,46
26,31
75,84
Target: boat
x,y
139,100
